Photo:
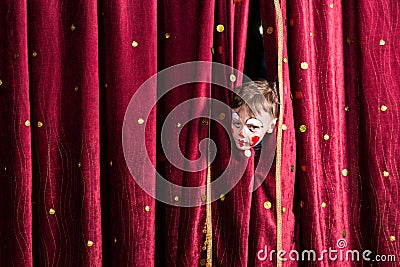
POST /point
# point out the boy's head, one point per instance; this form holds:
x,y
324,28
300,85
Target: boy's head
x,y
254,113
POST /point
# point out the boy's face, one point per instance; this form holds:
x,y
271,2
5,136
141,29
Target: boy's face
x,y
248,130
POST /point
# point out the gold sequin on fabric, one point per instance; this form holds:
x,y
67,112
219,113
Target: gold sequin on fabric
x,y
382,42
331,5
1,82
34,54
303,128
311,34
222,197
176,198
345,172
270,30
323,205
392,238
285,60
135,44
79,164
167,35
76,88
90,243
111,163
220,28
39,124
73,27
283,210
232,77
386,174
147,208
179,125
304,65
384,108
140,121
16,56
27,123
221,116
203,197
326,137
347,108
350,40
204,122
52,212
284,127
267,205
302,204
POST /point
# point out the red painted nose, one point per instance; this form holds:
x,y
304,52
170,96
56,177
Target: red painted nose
x,y
241,134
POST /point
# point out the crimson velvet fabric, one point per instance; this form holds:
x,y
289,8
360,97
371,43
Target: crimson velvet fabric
x,y
68,70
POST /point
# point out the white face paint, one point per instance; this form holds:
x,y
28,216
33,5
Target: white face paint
x,y
249,130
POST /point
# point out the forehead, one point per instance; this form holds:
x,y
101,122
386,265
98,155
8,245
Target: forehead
x,y
245,113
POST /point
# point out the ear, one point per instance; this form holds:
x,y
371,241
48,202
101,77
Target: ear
x,y
272,126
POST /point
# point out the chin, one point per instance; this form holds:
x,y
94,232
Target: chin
x,y
243,147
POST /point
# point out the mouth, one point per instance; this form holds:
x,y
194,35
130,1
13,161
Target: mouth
x,y
242,142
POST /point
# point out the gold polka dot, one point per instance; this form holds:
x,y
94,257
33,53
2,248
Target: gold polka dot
x,y
345,172
176,198
147,208
34,54
111,163
267,205
311,34
323,205
232,77
76,88
140,121
270,30
203,197
221,116
331,5
284,127
303,128
302,204
247,153
105,85
222,197
52,212
304,65
27,123
115,240
39,124
326,137
135,44
204,122
382,42
167,35
1,82
179,125
73,27
220,28
384,108
285,60
347,108
350,40
392,238
90,243
386,174
79,164
283,209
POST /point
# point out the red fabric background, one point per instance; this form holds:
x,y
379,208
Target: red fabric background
x,y
68,70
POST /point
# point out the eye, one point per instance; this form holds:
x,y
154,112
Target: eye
x,y
237,124
253,128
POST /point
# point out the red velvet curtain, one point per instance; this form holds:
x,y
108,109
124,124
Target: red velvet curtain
x,y
69,69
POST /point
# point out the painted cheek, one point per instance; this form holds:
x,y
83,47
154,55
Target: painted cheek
x,y
254,140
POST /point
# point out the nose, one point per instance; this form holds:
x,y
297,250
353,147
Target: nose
x,y
244,132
